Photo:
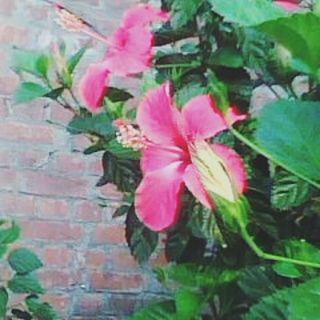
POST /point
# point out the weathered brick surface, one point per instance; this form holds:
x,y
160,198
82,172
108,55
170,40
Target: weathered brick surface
x,y
48,186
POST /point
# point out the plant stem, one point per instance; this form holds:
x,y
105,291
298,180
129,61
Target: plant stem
x,y
174,65
268,256
264,153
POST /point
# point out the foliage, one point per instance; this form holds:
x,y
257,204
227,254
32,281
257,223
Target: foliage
x,y
24,264
254,258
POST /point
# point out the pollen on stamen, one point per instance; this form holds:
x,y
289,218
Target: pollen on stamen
x,y
69,21
130,136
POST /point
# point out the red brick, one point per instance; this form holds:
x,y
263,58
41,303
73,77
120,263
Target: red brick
x,y
94,167
54,231
60,302
116,281
159,260
90,305
111,234
110,191
8,82
42,184
88,211
80,142
95,258
52,208
34,111
122,259
59,278
60,114
15,131
7,158
32,159
17,204
13,35
70,163
7,7
8,179
57,256
4,112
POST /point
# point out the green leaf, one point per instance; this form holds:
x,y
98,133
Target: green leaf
x,y
55,93
4,298
29,91
188,304
32,62
118,95
184,11
24,261
189,91
141,240
299,34
75,59
100,124
9,235
25,284
289,191
121,152
41,310
227,57
287,270
121,211
286,132
159,311
237,11
256,282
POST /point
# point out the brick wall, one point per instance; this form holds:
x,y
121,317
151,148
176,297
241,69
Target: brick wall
x,y
48,185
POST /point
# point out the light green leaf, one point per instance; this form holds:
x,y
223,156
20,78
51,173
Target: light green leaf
x,y
287,270
9,235
29,91
159,311
75,59
299,34
24,261
119,151
184,11
286,133
247,12
25,284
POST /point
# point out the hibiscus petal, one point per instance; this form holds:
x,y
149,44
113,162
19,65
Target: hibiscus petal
x,y
144,14
159,120
158,197
193,182
202,118
234,165
288,5
234,115
156,157
93,86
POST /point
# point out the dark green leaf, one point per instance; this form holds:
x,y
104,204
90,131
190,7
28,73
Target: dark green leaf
x,y
55,93
121,152
29,91
121,211
118,95
41,310
24,261
299,34
159,311
286,132
227,57
287,270
256,282
289,191
237,11
4,298
25,284
141,240
21,314
100,124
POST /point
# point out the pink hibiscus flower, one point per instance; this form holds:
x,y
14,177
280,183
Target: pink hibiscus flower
x,y
178,156
289,5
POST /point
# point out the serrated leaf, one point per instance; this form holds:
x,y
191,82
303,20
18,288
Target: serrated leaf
x,y
237,11
188,304
289,191
141,240
286,132
41,310
9,235
29,91
184,11
24,261
100,124
25,284
159,311
256,282
4,298
299,34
